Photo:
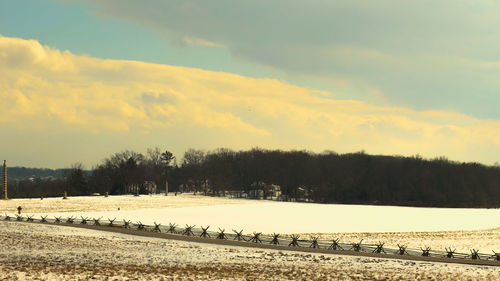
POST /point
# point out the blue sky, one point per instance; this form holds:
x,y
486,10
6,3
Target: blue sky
x,y
77,27
413,71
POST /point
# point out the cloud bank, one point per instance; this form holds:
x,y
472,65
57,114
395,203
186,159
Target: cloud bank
x,y
59,108
418,54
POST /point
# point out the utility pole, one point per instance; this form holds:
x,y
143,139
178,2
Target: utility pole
x,y
5,178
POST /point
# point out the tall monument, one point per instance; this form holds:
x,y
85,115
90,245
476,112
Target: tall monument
x,y
5,179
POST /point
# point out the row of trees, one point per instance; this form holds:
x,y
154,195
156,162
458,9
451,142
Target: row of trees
x,y
350,178
328,177
113,176
127,168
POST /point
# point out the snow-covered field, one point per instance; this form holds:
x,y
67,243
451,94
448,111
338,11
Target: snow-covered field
x,y
88,252
260,215
49,252
437,228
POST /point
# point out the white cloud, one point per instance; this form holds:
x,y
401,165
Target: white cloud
x,y
82,108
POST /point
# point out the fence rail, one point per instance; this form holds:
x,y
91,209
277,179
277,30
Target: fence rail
x,y
256,237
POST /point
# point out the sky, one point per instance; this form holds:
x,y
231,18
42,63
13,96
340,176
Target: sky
x,y
83,79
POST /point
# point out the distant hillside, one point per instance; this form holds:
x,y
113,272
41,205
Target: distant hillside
x,y
23,173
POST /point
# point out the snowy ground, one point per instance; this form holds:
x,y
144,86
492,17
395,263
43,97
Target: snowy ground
x,y
437,228
48,252
45,252
260,215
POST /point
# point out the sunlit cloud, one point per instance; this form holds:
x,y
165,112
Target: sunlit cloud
x,y
112,105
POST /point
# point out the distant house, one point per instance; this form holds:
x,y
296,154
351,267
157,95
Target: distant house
x,y
272,191
260,190
303,194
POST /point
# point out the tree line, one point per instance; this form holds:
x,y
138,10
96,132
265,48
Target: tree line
x,y
22,173
328,177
